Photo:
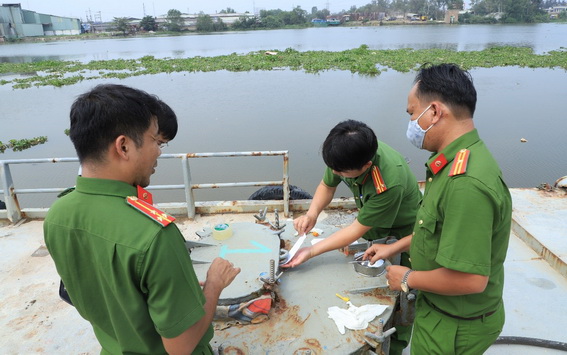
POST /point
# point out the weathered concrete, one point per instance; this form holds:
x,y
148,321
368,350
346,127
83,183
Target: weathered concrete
x,y
33,320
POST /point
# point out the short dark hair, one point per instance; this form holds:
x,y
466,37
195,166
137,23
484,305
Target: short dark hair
x,y
106,112
167,121
349,146
448,83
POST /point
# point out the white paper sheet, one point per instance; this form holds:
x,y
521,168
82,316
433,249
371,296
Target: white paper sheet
x,y
295,248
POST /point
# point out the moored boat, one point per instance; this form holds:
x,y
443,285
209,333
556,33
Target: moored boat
x,y
319,22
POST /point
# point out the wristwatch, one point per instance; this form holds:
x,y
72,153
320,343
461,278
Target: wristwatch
x,y
404,285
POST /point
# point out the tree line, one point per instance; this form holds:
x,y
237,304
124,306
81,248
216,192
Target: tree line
x,y
512,11
481,11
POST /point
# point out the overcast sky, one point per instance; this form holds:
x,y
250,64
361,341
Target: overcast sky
x,y
138,8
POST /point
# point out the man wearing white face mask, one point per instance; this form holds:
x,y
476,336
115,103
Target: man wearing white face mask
x,y
462,228
415,133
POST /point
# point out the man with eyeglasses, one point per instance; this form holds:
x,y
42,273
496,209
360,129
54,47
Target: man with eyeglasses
x,y
123,262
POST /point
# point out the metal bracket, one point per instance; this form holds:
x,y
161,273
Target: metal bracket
x,y
272,278
261,216
406,313
277,225
380,336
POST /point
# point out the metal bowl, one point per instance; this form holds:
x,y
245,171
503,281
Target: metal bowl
x,y
362,268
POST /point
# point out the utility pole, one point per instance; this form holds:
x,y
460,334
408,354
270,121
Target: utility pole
x,y
144,9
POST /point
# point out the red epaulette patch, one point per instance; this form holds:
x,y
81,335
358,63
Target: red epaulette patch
x,y
460,163
145,195
379,183
438,164
149,210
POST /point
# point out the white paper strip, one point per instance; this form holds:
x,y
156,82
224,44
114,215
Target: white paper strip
x,y
295,248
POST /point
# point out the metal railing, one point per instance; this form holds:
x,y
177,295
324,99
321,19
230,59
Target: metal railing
x,y
14,211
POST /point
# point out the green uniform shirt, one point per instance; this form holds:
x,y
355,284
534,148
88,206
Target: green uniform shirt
x,y
463,224
131,278
391,212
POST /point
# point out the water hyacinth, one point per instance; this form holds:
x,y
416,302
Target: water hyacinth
x,y
361,60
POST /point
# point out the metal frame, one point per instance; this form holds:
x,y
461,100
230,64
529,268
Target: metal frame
x,y
14,212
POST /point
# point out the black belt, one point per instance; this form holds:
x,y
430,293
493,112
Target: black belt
x,y
457,317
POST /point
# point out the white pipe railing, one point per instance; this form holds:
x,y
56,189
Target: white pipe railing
x,y
15,212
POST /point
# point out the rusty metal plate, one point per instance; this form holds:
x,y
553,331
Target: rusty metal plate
x,y
250,248
298,323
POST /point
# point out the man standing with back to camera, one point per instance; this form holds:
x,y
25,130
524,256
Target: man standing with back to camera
x,y
123,263
462,229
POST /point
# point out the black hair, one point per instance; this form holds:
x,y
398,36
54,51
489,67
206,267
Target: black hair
x,y
349,146
102,114
449,84
167,121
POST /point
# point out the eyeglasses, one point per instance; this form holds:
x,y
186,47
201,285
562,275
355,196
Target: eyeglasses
x,y
161,144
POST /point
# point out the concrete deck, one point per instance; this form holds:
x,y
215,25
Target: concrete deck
x,y
540,220
33,320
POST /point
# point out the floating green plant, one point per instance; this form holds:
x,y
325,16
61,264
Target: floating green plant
x,y
17,145
361,60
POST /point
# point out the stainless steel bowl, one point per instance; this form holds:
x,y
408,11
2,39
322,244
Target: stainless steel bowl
x,y
362,268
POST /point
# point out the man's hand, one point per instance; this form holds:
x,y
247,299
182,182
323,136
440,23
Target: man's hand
x,y
386,251
304,224
394,275
379,251
300,257
221,273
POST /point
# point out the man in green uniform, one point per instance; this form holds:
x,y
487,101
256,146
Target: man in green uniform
x,y
123,263
463,225
384,188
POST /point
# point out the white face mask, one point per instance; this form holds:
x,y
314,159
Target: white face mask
x,y
415,133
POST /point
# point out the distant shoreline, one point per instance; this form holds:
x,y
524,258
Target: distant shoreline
x,y
111,35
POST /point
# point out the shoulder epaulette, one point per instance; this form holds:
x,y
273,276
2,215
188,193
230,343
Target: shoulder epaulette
x,y
379,183
149,210
66,191
460,163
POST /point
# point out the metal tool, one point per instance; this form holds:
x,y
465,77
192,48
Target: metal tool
x,y
190,244
366,289
204,233
195,262
358,255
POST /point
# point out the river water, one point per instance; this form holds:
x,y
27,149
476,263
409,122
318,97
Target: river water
x,y
287,110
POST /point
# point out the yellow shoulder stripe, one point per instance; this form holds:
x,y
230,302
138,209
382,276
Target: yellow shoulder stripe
x,y
149,210
379,183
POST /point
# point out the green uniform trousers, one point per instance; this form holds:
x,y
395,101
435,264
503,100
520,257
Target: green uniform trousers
x,y
401,338
436,333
